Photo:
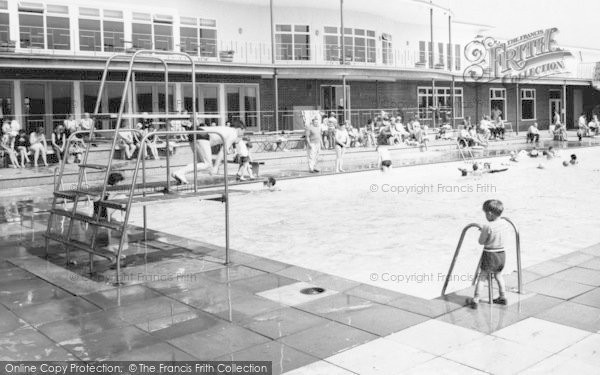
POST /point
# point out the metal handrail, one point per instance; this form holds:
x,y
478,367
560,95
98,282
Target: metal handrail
x,y
518,250
456,252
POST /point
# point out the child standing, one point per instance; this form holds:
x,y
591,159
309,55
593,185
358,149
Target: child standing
x,y
243,154
493,257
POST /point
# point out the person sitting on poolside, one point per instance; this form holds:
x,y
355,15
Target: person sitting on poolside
x,y
533,133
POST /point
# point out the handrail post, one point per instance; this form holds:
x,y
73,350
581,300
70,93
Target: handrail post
x,y
456,252
518,249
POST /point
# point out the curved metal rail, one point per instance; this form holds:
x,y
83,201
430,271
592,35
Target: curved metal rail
x,y
457,251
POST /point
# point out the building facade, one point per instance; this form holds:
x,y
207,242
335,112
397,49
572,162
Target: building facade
x,y
402,56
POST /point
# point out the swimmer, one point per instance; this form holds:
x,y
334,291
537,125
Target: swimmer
x,y
269,184
534,153
384,160
550,154
573,160
515,156
487,168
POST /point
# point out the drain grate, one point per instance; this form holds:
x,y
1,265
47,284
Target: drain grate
x,y
313,290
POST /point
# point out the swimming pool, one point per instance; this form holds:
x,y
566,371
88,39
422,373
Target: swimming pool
x,y
402,226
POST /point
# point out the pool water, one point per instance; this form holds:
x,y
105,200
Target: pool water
x,y
399,230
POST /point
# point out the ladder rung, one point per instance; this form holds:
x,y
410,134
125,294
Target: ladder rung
x,y
88,219
94,166
72,194
116,205
81,246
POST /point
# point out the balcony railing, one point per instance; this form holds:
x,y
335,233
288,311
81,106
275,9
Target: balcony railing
x,y
259,53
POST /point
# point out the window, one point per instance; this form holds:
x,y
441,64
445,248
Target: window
x,y
554,94
188,34
332,43
359,44
498,101
292,42
198,36
163,32
58,27
31,26
6,99
113,31
4,22
430,54
440,54
387,56
208,37
528,104
457,55
443,102
90,30
422,54
141,31
449,59
242,104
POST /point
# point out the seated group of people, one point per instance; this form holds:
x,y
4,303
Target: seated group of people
x,y
393,131
19,146
587,129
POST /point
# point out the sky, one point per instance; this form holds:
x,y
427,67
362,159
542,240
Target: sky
x,y
578,21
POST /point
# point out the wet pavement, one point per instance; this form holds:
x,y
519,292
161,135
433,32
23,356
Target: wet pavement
x,y
180,302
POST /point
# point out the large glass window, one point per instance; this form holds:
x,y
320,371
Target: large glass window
x,y
188,35
387,54
163,33
58,27
141,31
114,33
359,44
62,99
90,34
242,104
442,102
208,37
422,53
6,99
332,44
4,22
457,55
292,42
207,97
498,101
528,104
31,27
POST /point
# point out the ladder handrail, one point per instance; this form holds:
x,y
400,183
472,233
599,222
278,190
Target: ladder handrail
x,y
518,251
69,142
456,252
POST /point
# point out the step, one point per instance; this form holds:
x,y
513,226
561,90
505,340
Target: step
x,y
90,220
81,246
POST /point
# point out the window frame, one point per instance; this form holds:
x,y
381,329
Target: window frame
x,y
292,33
531,98
427,92
501,97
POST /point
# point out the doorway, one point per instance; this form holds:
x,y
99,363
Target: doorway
x,y
332,100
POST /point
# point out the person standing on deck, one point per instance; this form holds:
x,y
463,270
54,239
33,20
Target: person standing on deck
x,y
314,142
202,149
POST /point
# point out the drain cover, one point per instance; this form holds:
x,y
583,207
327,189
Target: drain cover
x,y
313,290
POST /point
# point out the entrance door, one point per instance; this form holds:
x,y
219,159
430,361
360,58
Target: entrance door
x,y
332,100
555,106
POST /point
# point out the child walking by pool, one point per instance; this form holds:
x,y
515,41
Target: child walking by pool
x,y
244,159
493,257
342,141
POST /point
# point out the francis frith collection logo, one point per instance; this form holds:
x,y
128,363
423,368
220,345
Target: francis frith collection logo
x,y
529,56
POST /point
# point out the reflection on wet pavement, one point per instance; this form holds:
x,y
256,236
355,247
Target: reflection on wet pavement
x,y
180,302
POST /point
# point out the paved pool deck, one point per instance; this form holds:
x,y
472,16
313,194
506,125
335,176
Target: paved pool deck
x,y
180,302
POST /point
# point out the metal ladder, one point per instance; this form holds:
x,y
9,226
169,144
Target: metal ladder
x,y
477,271
466,154
96,220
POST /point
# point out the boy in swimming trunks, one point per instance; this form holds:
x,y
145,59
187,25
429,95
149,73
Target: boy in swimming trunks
x,y
384,160
493,257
